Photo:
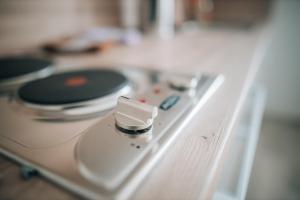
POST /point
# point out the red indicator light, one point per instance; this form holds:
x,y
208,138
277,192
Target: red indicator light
x,y
75,81
142,100
156,90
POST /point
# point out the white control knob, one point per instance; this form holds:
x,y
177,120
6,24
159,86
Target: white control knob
x,y
134,117
183,83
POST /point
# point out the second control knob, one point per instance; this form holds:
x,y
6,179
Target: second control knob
x,y
133,117
182,83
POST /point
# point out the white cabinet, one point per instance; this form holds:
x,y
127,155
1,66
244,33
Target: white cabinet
x,y
236,170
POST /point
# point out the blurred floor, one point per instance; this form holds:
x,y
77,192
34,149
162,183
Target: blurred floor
x,y
276,170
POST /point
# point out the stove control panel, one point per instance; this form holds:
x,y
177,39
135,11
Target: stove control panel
x,y
95,141
112,150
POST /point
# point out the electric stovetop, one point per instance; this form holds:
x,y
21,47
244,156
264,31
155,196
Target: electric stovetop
x,y
94,131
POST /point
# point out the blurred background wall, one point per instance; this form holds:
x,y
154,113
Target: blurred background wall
x,y
281,67
26,23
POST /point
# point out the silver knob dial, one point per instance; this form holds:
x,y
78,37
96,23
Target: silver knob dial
x,y
133,117
183,83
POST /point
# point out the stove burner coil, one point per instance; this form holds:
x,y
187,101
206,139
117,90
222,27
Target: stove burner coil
x,y
17,70
72,87
75,93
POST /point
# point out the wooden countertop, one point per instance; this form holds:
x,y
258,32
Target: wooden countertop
x,y
189,169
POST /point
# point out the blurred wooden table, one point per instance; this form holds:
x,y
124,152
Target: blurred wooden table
x,y
189,170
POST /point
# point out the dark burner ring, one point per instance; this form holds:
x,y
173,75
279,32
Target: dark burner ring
x,y
14,67
73,87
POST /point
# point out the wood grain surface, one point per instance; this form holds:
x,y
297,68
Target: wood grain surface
x,y
190,168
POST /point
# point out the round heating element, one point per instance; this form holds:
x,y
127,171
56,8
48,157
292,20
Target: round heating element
x,y
12,67
72,87
20,69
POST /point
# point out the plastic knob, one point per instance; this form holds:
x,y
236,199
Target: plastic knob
x,y
134,117
182,83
